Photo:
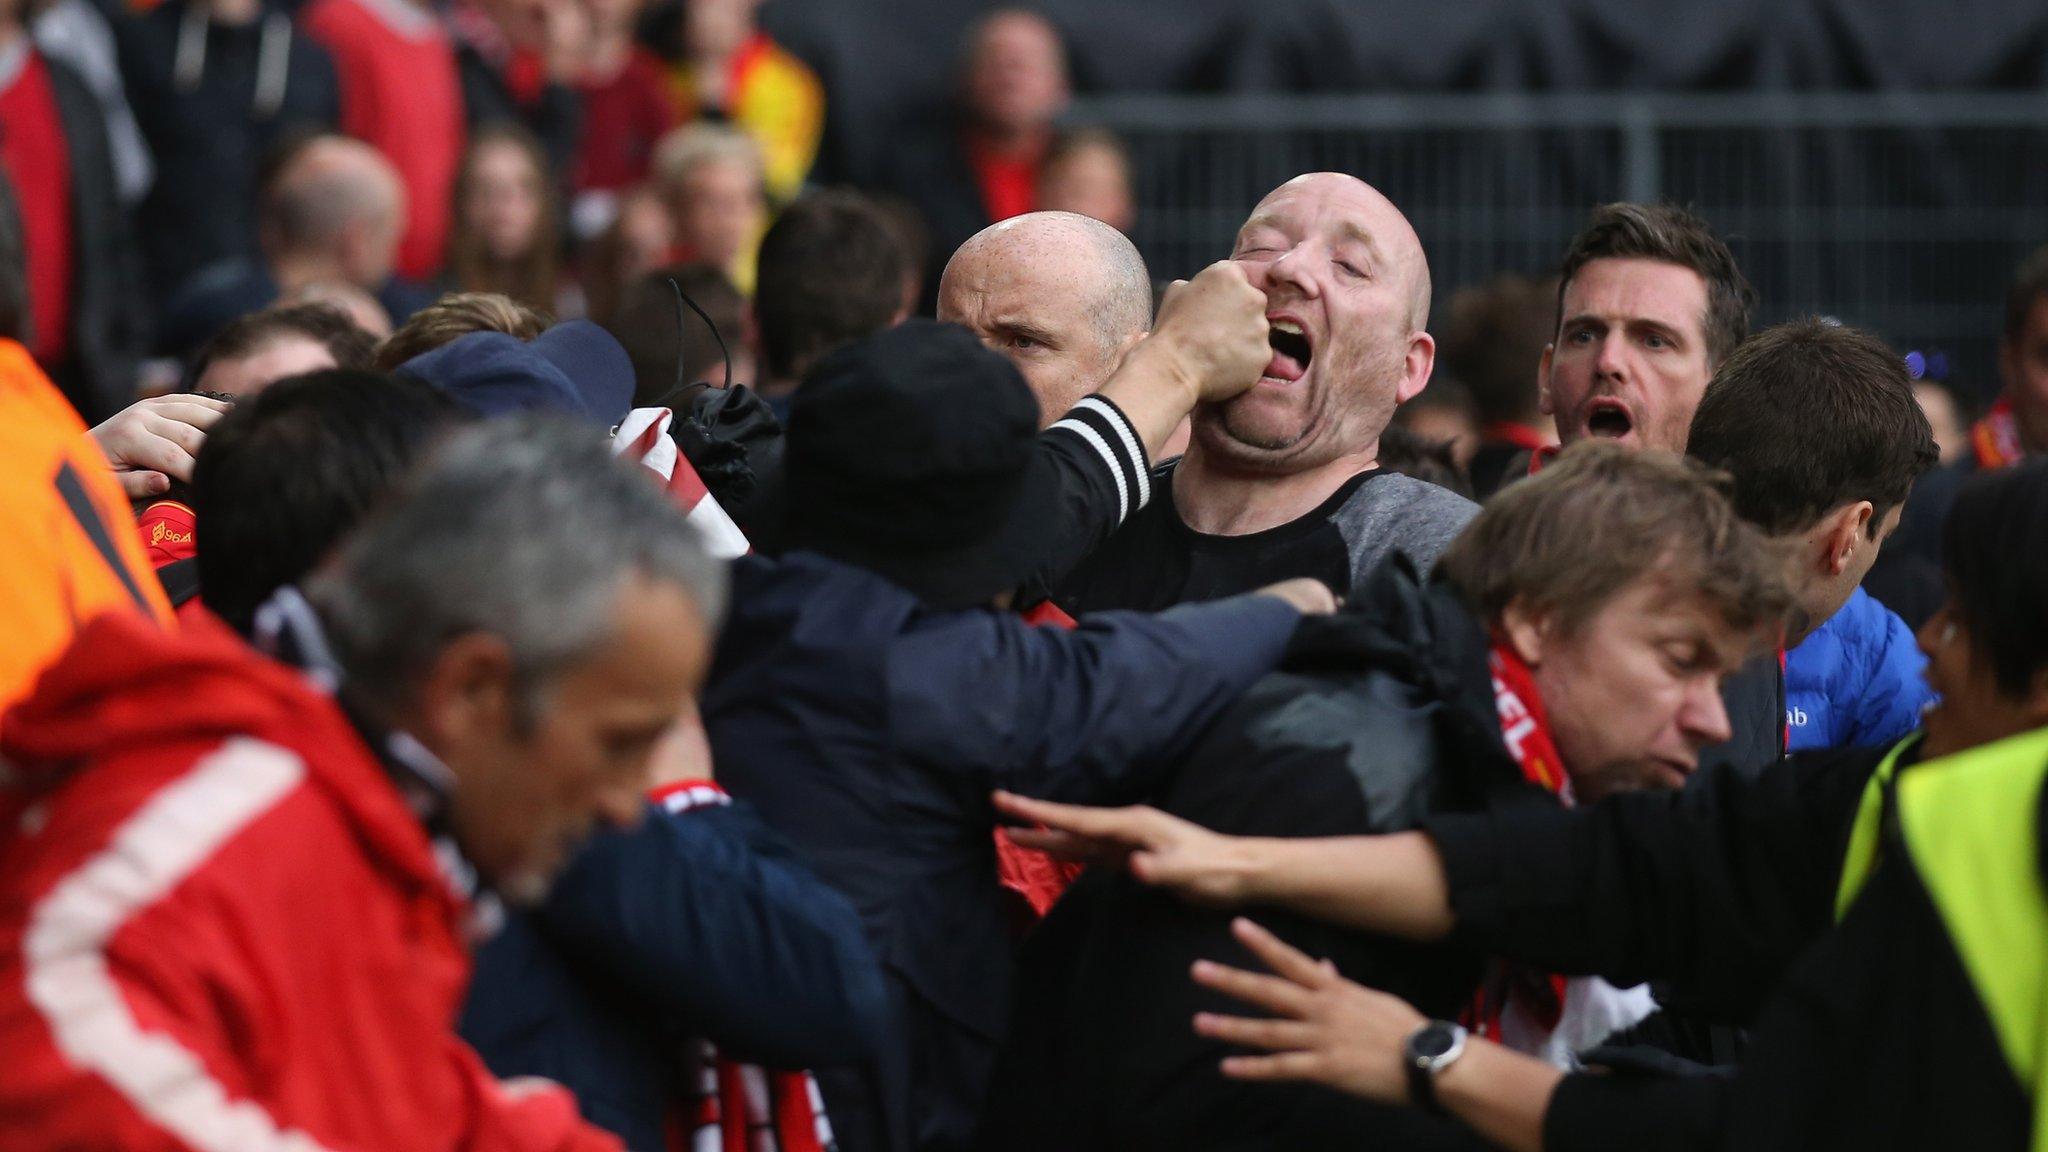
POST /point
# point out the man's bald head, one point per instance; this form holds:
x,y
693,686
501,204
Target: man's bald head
x,y
331,192
1061,295
1348,291
1385,225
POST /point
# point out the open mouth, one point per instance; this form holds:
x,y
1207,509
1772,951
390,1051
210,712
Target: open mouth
x,y
1610,419
1291,350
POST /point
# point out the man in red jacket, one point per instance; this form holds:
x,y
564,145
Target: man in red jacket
x,y
236,897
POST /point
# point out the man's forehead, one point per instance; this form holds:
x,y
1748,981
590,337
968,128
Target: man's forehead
x,y
1621,288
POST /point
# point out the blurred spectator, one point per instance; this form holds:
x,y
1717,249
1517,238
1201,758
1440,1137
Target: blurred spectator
x,y
983,164
330,214
75,32
627,109
250,354
217,86
1061,296
638,241
1493,343
1444,414
710,178
664,354
87,317
520,63
1089,171
400,92
728,69
830,272
1945,413
504,238
454,316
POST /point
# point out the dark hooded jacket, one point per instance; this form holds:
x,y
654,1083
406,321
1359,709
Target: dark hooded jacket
x,y
870,730
1377,717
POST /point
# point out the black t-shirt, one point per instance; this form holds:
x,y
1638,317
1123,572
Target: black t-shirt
x,y
1156,561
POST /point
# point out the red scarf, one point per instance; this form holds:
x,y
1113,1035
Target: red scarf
x,y
1538,457
1996,438
1525,729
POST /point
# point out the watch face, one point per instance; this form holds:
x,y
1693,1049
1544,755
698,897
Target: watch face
x,y
1434,1041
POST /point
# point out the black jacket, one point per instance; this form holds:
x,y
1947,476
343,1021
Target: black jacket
x,y
1865,1036
1377,717
212,141
109,314
870,731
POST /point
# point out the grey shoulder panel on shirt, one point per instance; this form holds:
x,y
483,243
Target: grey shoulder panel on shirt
x,y
1396,513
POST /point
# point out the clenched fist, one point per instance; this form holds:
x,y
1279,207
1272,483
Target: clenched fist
x,y
1214,329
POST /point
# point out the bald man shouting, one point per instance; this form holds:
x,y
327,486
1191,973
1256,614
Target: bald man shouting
x,y
1284,480
1059,295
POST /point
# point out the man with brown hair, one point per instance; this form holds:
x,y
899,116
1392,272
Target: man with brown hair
x,y
1817,423
1571,646
1649,303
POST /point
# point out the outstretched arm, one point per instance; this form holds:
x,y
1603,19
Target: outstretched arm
x,y
1393,884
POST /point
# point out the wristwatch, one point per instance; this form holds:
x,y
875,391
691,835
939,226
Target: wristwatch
x,y
1430,1049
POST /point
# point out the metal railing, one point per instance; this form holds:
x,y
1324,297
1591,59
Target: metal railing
x,y
1903,212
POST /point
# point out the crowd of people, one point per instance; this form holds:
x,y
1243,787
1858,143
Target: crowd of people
x,y
558,636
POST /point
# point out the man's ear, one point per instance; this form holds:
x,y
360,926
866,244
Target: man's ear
x,y
1420,362
1543,403
1524,632
1845,532
466,694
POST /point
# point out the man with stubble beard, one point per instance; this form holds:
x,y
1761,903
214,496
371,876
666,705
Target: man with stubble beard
x,y
1284,480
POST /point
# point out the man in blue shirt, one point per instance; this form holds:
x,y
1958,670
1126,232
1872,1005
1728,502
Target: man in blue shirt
x,y
1817,424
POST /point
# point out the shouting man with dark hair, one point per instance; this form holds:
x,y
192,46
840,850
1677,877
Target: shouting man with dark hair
x,y
1649,303
1571,646
1817,423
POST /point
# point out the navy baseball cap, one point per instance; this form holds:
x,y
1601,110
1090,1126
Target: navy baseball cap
x,y
575,369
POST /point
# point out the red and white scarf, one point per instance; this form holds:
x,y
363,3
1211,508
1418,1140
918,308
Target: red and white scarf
x,y
1996,438
643,436
737,1107
1541,1013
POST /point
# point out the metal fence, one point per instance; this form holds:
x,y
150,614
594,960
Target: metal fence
x,y
1905,213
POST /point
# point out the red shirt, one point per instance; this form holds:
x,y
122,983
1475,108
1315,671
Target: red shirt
x,y
623,119
38,162
1009,186
400,92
